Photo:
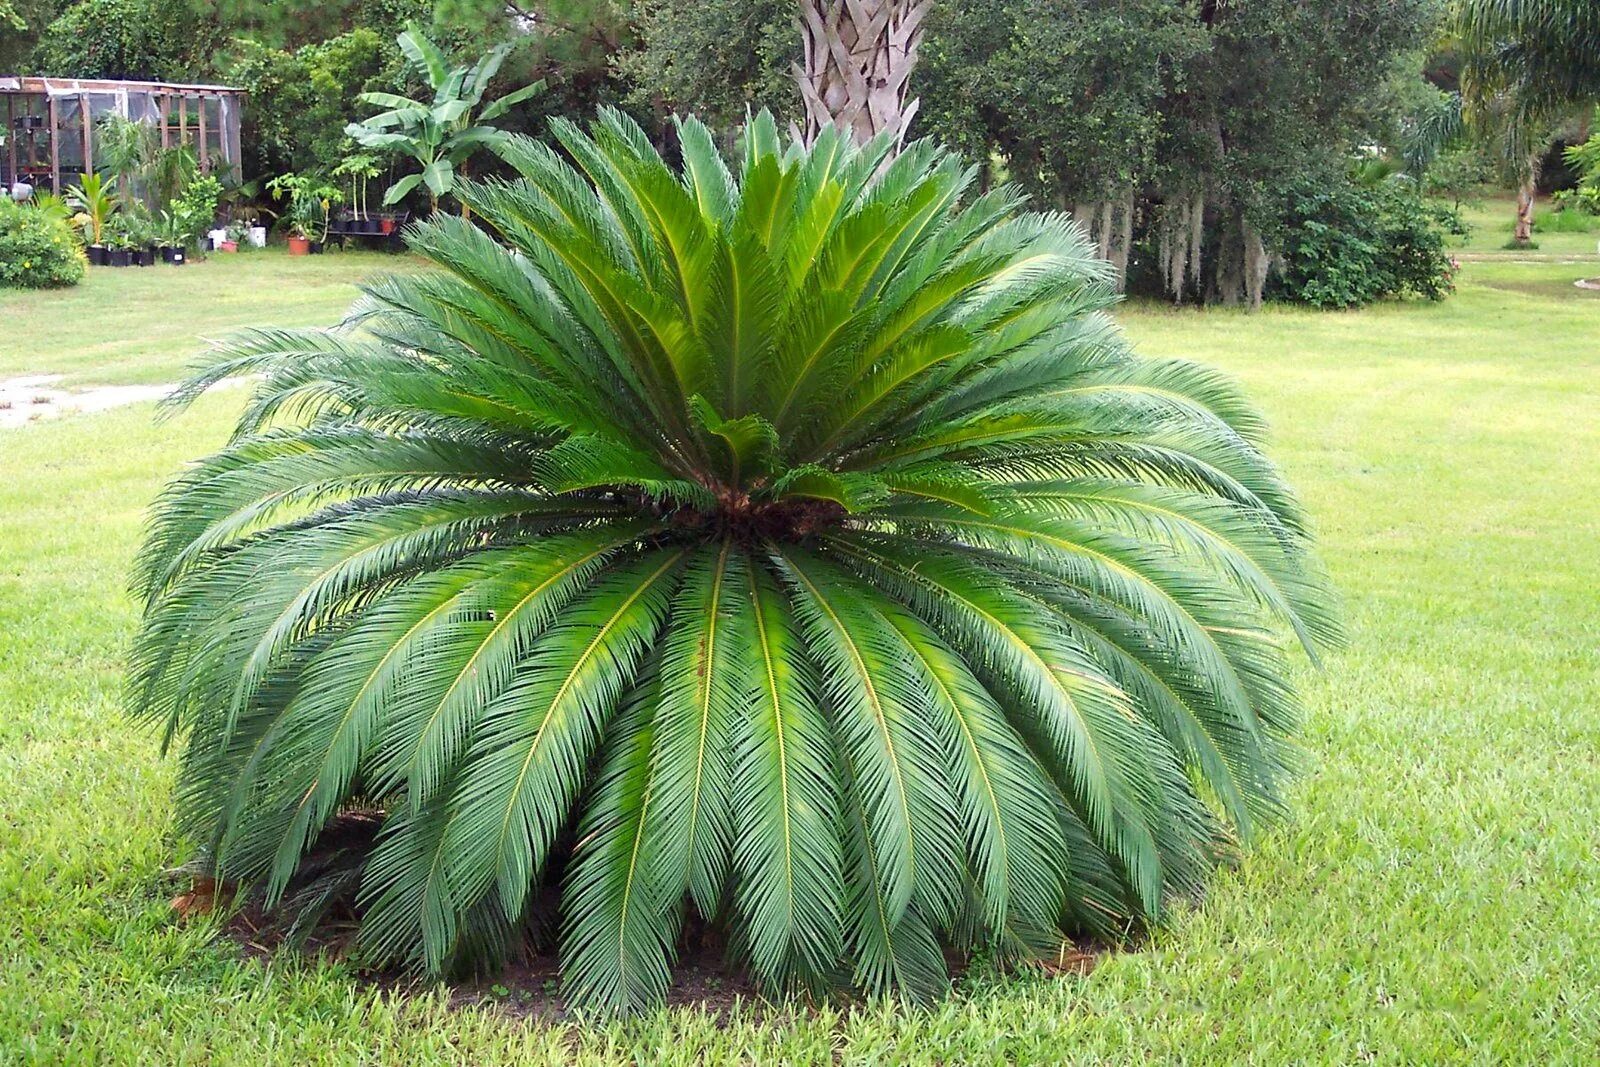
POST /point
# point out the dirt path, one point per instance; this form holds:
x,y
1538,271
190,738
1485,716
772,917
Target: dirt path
x,y
33,397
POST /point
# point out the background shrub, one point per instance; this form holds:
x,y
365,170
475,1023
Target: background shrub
x,y
1345,245
37,250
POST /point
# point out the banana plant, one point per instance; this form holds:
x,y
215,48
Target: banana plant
x,y
440,135
92,199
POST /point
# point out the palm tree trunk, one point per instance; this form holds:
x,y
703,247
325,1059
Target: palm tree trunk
x,y
858,59
1523,234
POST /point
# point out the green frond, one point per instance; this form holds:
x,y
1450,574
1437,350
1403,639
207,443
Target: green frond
x,y
793,538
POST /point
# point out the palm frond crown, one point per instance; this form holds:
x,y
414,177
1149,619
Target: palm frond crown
x,y
795,542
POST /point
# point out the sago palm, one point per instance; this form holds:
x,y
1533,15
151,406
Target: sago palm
x,y
796,544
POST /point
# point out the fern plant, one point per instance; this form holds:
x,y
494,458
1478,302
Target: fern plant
x,y
798,545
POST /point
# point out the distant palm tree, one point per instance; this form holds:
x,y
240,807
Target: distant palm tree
x,y
797,545
856,65
1529,64
1544,54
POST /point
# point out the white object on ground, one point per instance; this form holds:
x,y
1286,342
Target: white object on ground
x,y
32,397
258,236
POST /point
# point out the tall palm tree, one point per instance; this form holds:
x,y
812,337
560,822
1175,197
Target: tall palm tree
x,y
799,544
856,65
1529,64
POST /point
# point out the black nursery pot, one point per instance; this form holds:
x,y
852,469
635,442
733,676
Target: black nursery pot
x,y
96,254
117,257
316,248
147,257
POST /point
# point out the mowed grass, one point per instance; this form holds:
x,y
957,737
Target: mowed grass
x,y
1493,219
1434,899
143,325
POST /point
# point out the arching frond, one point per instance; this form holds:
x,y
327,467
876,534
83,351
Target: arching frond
x,y
790,543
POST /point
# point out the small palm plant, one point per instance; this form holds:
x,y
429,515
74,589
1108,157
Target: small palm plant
x,y
94,205
798,545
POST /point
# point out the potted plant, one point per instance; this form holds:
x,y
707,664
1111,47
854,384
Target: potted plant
x,y
196,207
360,168
94,205
142,236
232,235
172,235
307,216
119,242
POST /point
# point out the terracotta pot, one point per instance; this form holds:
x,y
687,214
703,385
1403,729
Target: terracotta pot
x,y
388,226
230,246
299,246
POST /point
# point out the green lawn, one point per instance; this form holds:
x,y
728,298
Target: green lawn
x,y
1435,898
1492,219
144,325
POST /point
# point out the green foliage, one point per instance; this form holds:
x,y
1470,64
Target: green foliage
x,y
1459,173
717,58
94,203
1576,220
309,199
1072,97
196,207
443,134
1585,159
300,100
1541,55
1345,244
131,39
38,249
797,545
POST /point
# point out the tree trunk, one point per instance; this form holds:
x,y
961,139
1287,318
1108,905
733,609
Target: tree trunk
x,y
1523,234
858,58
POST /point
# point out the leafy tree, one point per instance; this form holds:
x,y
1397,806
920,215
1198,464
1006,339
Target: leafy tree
x,y
300,101
128,39
21,22
1069,102
443,134
804,549
718,58
1166,126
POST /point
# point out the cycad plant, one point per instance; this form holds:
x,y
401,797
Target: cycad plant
x,y
797,545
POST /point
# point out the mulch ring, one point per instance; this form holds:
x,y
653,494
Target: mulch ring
x,y
529,987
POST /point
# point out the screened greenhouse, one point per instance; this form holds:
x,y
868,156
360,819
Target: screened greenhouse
x,y
50,124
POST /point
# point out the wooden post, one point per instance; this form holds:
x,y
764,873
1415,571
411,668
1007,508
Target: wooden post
x,y
55,150
205,154
183,120
166,117
11,137
88,133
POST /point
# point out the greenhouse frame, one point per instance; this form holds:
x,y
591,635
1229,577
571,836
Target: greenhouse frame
x,y
47,138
